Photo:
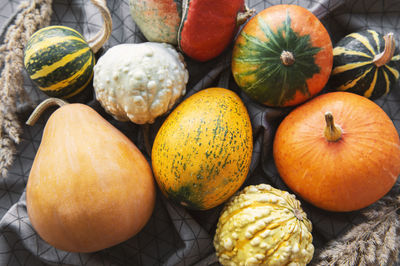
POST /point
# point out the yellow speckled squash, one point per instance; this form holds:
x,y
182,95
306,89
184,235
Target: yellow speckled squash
x,y
263,226
201,154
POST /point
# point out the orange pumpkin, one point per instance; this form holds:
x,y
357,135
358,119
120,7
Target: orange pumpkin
x,y
89,187
339,151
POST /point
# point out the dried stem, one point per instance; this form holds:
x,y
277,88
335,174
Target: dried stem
x,y
42,107
287,58
388,52
332,131
243,16
102,36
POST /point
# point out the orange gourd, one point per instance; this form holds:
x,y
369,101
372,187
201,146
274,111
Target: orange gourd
x,y
89,187
339,151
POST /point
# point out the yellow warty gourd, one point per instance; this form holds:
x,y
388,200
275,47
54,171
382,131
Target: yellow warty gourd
x,y
263,226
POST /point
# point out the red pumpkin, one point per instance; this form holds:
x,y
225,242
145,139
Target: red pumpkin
x,y
339,151
208,26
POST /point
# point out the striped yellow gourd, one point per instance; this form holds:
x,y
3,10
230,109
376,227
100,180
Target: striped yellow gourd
x,y
59,61
366,63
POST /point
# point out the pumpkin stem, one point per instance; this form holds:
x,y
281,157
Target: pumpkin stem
x,y
42,107
242,16
388,52
102,36
287,58
332,131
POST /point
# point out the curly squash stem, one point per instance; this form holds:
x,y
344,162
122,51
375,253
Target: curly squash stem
x,y
33,118
332,131
104,34
388,52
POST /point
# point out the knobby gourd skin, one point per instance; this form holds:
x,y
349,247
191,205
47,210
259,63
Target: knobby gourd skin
x,y
283,56
346,174
59,61
262,225
140,81
355,65
202,152
158,20
89,187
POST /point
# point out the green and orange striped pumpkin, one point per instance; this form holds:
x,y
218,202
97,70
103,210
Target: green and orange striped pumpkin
x,y
283,56
366,63
59,61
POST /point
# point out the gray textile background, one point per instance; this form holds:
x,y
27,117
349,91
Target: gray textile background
x,y
175,236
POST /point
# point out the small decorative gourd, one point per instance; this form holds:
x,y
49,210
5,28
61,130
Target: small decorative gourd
x,y
263,226
283,56
366,63
209,26
201,28
60,61
140,81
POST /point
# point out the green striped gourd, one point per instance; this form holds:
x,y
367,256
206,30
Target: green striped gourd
x,y
59,61
366,63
